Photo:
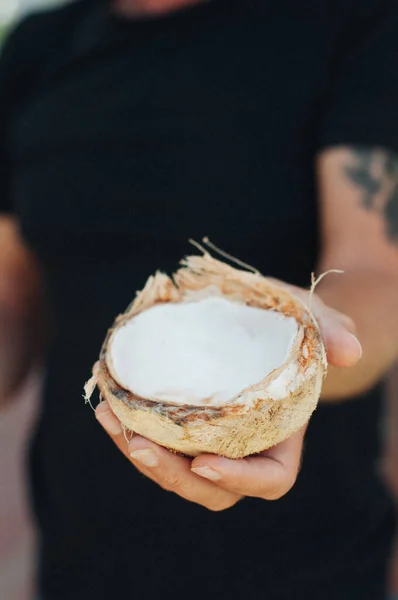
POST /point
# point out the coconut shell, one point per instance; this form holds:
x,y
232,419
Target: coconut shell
x,y
254,420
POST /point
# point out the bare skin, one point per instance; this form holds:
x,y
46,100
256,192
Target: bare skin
x,y
21,310
358,191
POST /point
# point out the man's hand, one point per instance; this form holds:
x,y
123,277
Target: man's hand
x,y
218,483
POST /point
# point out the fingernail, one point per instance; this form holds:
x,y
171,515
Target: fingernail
x,y
109,422
207,472
357,342
146,457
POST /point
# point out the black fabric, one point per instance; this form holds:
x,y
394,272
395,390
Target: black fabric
x,y
121,140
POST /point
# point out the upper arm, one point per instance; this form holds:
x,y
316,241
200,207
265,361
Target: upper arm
x,y
358,196
23,325
20,280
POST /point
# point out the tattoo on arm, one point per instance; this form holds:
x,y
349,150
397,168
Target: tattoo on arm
x,y
375,173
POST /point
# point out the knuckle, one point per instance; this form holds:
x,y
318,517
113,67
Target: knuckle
x,y
291,481
351,326
221,504
282,488
350,322
342,318
171,482
218,507
275,494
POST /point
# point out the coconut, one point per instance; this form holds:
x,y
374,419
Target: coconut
x,y
214,360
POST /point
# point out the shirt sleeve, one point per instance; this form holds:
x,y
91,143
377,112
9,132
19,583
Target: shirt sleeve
x,y
5,204
17,62
361,102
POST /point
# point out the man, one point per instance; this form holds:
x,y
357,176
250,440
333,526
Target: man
x,y
128,127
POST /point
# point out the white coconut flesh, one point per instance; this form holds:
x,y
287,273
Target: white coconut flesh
x,y
200,353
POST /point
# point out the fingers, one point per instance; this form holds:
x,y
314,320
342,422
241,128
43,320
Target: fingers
x,y
338,333
173,473
344,320
212,481
338,330
269,475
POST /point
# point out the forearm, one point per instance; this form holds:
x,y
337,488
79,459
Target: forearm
x,y
19,349
22,311
370,298
358,191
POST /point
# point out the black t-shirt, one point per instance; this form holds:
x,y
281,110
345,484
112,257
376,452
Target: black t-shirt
x,y
119,140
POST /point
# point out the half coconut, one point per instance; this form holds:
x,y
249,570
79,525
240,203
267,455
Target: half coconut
x,y
215,360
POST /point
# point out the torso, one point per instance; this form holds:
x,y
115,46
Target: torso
x,y
138,136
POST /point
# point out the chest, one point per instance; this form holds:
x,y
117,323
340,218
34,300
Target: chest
x,y
196,129
226,75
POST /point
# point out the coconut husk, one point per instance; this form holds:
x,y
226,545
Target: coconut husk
x,y
263,414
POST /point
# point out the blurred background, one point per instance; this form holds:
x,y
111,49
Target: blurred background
x,y
17,538
10,10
